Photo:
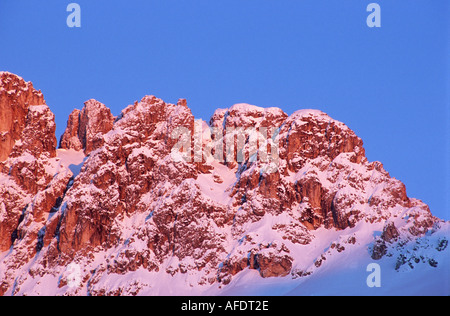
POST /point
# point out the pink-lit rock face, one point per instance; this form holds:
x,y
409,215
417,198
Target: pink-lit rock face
x,y
70,138
28,142
135,207
16,114
85,128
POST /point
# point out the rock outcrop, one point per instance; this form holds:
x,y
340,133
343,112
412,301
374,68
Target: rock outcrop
x,y
85,128
71,139
31,177
22,109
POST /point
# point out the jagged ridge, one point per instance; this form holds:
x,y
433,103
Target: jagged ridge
x,y
136,209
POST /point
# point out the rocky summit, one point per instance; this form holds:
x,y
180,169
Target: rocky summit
x,y
155,202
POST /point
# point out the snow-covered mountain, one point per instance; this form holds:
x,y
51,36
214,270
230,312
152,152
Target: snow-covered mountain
x,y
154,202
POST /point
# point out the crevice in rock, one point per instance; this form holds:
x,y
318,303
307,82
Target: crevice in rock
x,y
57,207
40,242
15,234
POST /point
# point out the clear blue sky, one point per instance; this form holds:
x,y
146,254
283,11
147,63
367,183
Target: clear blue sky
x,y
390,84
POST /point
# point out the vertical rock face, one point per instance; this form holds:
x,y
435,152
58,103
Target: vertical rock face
x,y
28,148
85,128
135,205
125,169
38,136
16,113
70,138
